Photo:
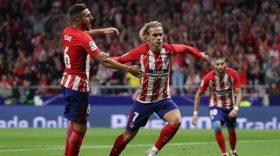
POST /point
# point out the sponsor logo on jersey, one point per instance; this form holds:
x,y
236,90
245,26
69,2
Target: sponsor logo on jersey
x,y
92,45
67,37
223,91
166,61
158,73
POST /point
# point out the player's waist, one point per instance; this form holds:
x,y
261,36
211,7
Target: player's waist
x,y
79,89
148,102
75,82
76,73
221,105
151,98
227,107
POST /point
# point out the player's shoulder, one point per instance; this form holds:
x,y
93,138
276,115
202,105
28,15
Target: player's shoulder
x,y
143,48
168,46
67,29
75,32
70,30
210,75
231,71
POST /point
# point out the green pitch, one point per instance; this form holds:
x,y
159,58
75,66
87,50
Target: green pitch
x,y
98,142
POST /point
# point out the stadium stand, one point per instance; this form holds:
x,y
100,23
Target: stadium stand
x,y
247,31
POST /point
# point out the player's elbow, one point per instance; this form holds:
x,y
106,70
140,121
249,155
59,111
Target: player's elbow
x,y
238,92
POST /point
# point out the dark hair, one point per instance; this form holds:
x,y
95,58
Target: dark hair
x,y
220,57
76,10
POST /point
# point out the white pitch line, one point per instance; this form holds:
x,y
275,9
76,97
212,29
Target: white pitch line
x,y
58,147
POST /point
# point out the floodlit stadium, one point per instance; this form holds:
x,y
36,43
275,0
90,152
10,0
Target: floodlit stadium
x,y
37,58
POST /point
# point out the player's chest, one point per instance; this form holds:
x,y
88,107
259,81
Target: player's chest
x,y
221,84
154,61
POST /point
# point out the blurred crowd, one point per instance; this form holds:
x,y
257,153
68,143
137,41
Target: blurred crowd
x,y
247,32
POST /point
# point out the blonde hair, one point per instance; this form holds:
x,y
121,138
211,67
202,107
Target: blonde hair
x,y
144,32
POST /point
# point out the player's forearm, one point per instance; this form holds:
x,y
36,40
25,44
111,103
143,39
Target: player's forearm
x,y
238,97
98,32
95,32
110,63
197,101
193,51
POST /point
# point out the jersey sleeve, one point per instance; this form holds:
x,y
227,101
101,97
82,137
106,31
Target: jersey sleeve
x,y
236,79
131,56
184,49
90,46
204,83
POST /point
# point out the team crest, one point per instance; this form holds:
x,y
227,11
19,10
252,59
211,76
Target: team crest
x,y
166,61
92,45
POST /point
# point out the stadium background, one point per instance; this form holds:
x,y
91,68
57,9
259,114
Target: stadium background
x,y
31,61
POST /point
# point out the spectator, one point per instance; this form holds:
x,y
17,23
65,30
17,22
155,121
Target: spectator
x,y
177,78
5,86
249,35
192,79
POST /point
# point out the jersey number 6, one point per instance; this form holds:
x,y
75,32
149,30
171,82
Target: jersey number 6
x,y
67,58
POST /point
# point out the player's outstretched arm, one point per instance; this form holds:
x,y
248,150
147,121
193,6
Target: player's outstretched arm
x,y
205,57
181,48
196,106
98,32
104,59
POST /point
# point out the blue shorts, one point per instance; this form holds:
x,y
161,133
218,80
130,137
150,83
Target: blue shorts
x,y
222,114
140,112
77,107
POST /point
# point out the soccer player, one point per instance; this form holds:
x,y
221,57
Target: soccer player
x,y
155,58
223,82
79,47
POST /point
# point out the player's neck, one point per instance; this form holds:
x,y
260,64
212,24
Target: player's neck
x,y
78,27
220,74
155,49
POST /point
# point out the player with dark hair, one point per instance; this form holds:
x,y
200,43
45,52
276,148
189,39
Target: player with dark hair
x,y
222,82
155,58
78,48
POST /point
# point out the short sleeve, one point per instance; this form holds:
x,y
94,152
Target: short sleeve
x,y
180,48
90,46
204,83
236,79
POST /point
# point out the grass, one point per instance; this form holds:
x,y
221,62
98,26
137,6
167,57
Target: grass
x,y
98,142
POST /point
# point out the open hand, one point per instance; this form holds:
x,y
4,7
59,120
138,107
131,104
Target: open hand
x,y
111,30
233,113
194,119
205,56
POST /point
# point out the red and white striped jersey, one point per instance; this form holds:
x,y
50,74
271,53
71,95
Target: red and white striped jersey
x,y
221,88
156,66
78,49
